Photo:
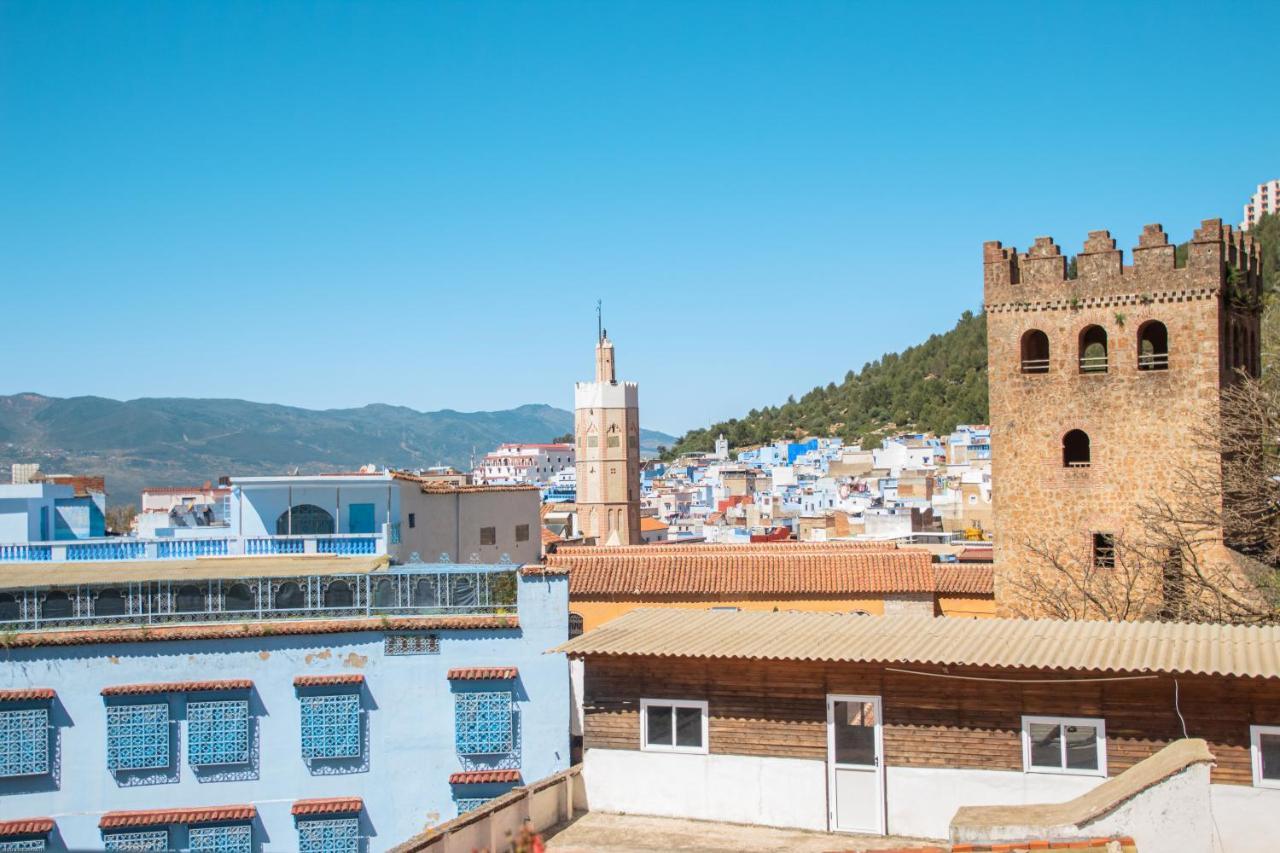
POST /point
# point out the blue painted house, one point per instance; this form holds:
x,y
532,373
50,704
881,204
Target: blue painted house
x,y
314,703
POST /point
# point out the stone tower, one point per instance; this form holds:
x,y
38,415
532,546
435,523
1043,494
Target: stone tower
x,y
1098,383
606,425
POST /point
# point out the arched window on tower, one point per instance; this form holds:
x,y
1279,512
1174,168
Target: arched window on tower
x,y
1153,346
1093,350
1075,449
1035,352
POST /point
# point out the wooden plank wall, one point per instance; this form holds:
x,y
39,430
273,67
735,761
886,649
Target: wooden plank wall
x,y
777,708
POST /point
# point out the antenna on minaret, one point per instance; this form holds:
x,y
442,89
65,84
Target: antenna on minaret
x,y
599,323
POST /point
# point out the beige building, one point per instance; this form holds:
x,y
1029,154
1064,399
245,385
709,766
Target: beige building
x,y
468,523
1265,200
607,431
1096,381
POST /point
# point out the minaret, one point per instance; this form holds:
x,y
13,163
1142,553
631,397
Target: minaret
x,y
607,430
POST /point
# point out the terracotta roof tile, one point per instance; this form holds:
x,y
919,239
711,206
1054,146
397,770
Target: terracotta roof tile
x,y
232,631
788,547
25,826
22,694
975,555
328,805
177,687
480,777
543,569
160,817
549,537
483,673
747,572
324,680
967,579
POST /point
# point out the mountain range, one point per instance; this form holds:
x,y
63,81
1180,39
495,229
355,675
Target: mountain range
x,y
184,441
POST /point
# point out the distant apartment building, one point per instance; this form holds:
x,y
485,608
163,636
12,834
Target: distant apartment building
x,y
1265,200
51,508
163,507
536,464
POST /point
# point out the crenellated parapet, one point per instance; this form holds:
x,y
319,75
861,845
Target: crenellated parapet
x,y
1218,258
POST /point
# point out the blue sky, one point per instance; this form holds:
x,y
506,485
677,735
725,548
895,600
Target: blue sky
x,y
334,203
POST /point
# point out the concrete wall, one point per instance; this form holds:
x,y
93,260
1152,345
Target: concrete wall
x,y
449,523
255,509
1245,820
409,714
789,792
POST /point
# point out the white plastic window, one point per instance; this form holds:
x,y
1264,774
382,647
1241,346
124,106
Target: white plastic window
x,y
1071,745
1264,748
673,725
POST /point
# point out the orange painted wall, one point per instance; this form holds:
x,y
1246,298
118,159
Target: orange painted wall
x,y
596,613
962,607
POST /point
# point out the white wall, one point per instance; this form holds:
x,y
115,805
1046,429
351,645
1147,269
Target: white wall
x,y
922,801
1245,819
788,792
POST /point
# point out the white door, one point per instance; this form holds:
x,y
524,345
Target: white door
x,y
855,766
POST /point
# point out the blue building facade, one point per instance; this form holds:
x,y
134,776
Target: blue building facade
x,y
335,711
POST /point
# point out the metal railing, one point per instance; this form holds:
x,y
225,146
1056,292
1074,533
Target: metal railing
x,y
1093,364
449,590
1154,361
1035,365
183,547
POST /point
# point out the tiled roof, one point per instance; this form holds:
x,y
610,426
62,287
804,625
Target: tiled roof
x,y
788,547
548,537
177,687
480,777
967,579
325,680
772,573
21,694
234,631
328,805
651,523
543,569
1207,649
160,817
483,673
434,487
25,826
975,555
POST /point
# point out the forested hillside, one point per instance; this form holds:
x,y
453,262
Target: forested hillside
x,y
932,386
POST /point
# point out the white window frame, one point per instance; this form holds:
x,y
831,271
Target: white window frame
x,y
1255,755
1096,722
645,746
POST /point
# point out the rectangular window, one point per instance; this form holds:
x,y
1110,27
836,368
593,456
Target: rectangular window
x,y
138,737
233,838
217,733
24,742
522,533
340,835
470,804
633,441
673,725
1104,551
1264,746
482,723
331,726
412,520
615,441
593,441
150,839
1064,745
22,845
488,535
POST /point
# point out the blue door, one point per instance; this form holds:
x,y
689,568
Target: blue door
x,y
360,518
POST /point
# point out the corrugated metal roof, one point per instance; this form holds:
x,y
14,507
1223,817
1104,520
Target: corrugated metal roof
x,y
1239,650
20,575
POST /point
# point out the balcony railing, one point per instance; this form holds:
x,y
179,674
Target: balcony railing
x,y
448,590
179,548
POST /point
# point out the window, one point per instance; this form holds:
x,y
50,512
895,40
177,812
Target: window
x,y
24,742
340,835
593,441
290,597
137,737
239,597
470,804
217,733
1093,350
482,723
1264,747
151,839
615,441
338,594
1153,346
109,602
232,838
1104,551
413,520
1035,352
56,605
669,725
307,520
488,536
522,533
190,599
331,726
575,625
1075,449
22,845
1064,745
